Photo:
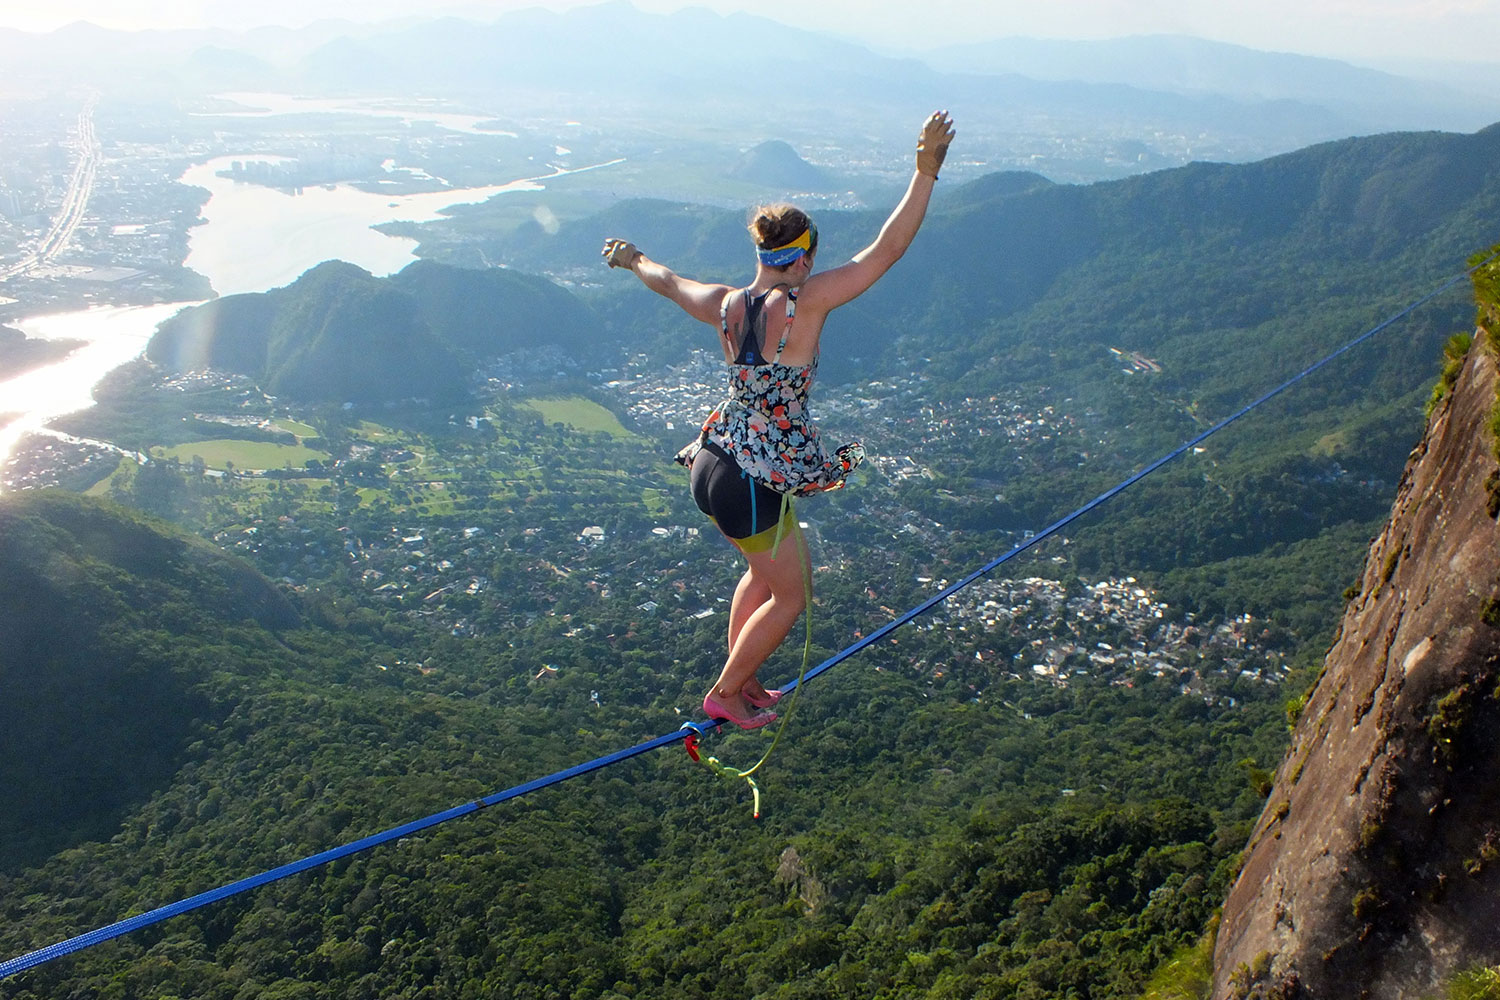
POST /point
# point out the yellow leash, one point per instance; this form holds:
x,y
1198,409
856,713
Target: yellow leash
x,y
691,741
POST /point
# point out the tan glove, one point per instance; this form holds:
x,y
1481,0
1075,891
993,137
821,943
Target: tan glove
x,y
932,146
620,253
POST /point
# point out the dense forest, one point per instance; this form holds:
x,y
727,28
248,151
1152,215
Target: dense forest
x,y
219,662
1082,818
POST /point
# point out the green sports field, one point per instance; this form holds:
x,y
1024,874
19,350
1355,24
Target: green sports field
x,y
245,455
578,413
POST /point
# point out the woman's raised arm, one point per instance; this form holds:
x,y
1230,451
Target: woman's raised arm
x,y
697,299
827,289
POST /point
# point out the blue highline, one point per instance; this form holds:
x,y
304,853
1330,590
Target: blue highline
x,y
32,959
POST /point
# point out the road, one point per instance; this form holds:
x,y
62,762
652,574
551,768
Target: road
x,y
75,201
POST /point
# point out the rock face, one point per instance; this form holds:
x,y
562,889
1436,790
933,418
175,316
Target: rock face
x,y
1375,869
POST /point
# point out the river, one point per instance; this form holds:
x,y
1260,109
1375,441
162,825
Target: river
x,y
111,335
253,238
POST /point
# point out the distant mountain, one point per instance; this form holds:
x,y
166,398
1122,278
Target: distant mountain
x,y
215,67
536,50
1206,99
1183,65
776,164
1167,80
338,334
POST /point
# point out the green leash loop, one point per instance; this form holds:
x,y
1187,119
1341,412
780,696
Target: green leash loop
x,y
731,773
728,771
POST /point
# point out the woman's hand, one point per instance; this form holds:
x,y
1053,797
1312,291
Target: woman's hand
x,y
620,253
932,145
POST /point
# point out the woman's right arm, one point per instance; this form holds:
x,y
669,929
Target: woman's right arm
x,y
699,300
827,289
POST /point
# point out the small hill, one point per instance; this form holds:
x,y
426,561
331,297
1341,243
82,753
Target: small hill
x,y
776,164
336,334
19,353
339,334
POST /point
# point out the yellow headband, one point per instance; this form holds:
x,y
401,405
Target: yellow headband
x,y
784,255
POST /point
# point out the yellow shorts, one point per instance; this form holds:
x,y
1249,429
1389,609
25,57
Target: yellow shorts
x,y
765,541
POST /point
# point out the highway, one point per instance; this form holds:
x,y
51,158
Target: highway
x,y
75,201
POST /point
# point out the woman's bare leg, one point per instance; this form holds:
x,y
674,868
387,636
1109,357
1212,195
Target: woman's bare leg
x,y
768,623
749,594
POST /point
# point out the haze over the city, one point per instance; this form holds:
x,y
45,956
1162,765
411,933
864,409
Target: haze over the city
x,y
1382,33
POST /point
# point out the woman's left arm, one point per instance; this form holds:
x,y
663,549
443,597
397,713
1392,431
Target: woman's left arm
x,y
829,289
699,300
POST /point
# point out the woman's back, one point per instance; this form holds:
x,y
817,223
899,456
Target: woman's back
x,y
759,319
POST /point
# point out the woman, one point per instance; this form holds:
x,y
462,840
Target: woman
x,y
760,447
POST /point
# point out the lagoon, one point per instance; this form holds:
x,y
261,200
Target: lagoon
x,y
253,238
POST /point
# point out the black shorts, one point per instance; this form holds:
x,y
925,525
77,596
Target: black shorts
x,y
739,505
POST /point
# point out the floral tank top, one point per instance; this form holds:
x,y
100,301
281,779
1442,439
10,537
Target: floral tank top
x,y
763,423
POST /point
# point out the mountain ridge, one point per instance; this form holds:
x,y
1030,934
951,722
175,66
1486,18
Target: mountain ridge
x,y
1185,64
527,52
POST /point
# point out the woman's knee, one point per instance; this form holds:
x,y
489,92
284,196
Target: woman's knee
x,y
792,587
786,577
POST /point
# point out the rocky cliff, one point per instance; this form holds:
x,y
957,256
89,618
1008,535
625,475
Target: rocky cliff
x,y
1375,869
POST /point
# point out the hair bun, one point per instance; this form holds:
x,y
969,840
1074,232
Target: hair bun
x,y
777,224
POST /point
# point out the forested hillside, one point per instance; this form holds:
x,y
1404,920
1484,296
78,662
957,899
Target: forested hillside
x,y
111,632
1225,278
933,822
337,334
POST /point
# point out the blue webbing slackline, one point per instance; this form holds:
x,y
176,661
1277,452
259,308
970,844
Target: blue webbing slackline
x,y
42,955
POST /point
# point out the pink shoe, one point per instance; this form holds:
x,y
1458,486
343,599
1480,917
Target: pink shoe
x,y
769,701
719,713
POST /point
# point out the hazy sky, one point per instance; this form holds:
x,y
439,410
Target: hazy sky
x,y
1359,30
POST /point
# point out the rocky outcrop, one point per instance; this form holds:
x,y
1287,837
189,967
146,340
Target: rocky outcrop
x,y
1375,869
